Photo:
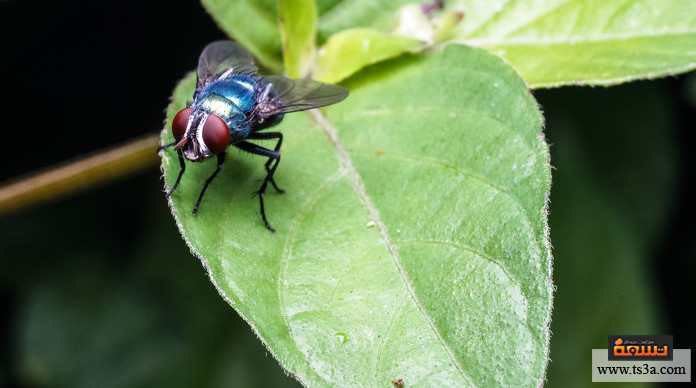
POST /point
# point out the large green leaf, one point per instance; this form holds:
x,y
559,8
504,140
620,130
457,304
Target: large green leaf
x,y
559,42
412,241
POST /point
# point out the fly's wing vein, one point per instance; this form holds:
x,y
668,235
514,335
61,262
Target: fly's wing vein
x,y
299,94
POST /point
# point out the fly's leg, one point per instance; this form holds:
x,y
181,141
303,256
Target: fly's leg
x,y
274,158
182,164
265,136
221,161
163,146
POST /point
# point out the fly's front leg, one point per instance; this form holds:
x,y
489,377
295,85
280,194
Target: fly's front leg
x,y
182,164
265,136
221,162
273,156
163,146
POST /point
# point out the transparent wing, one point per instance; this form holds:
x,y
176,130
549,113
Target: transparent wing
x,y
220,56
299,94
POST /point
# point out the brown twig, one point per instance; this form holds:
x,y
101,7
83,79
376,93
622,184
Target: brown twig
x,y
86,172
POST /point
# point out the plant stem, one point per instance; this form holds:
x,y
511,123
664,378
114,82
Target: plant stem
x,y
86,172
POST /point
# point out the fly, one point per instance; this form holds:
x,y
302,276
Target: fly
x,y
231,105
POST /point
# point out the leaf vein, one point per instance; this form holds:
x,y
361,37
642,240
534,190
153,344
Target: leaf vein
x,y
468,248
459,170
615,14
495,16
332,294
387,334
539,16
484,256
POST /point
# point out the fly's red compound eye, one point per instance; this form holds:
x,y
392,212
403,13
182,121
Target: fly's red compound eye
x,y
179,123
215,134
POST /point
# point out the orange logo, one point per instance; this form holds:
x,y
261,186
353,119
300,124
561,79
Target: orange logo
x,y
641,347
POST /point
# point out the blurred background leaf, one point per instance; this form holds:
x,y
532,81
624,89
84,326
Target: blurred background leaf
x,y
297,20
254,24
124,304
615,189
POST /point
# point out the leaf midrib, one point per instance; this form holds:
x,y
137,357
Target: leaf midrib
x,y
359,188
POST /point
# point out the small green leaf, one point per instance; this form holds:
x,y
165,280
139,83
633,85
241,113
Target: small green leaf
x,y
349,51
254,24
446,26
560,42
412,241
298,30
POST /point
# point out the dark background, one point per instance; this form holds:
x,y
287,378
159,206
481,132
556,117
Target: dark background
x,y
99,289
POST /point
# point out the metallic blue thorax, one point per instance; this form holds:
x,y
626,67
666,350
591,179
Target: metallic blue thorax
x,y
231,99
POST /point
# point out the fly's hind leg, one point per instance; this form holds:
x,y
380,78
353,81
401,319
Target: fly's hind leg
x,y
265,136
272,164
163,146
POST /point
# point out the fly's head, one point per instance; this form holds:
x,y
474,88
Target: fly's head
x,y
199,134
